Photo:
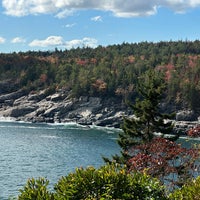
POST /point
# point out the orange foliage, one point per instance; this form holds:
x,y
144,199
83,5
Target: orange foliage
x,y
131,59
93,60
167,68
100,85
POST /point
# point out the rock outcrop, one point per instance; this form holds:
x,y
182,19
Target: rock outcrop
x,y
60,107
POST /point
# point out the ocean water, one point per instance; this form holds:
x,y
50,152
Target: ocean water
x,y
48,150
42,150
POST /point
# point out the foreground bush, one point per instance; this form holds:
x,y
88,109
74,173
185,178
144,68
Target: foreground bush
x,y
190,191
107,182
36,190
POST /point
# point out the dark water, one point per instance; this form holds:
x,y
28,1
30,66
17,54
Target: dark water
x,y
51,151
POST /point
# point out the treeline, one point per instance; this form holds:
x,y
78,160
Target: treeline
x,y
108,71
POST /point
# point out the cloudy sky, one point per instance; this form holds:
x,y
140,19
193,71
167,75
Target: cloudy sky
x,y
64,24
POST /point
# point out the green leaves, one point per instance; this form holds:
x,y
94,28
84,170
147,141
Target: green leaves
x,y
190,191
109,182
35,190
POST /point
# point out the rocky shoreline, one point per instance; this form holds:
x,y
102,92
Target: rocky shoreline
x,y
60,107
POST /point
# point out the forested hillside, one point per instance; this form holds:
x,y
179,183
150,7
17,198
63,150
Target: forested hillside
x,y
107,71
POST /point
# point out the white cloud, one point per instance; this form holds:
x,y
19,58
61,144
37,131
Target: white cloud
x,y
65,13
49,41
58,41
18,40
120,8
85,42
2,40
26,7
97,18
70,25
180,6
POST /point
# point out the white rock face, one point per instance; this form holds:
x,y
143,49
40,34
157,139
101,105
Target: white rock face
x,y
60,107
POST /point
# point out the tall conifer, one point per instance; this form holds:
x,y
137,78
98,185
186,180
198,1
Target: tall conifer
x,y
147,119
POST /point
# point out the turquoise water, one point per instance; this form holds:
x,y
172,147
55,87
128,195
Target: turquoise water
x,y
51,151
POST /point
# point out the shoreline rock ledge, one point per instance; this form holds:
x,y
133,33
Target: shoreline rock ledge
x,y
60,107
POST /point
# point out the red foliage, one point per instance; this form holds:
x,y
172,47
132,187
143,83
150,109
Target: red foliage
x,y
194,132
164,159
167,69
81,62
192,61
170,67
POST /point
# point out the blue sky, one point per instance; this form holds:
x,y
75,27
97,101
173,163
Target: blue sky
x,y
64,24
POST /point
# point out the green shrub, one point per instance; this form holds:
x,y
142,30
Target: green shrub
x,y
35,190
190,191
108,182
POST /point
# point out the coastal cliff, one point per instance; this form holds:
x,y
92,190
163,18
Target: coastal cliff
x,y
61,107
90,86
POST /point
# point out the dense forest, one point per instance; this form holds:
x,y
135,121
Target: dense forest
x,y
107,71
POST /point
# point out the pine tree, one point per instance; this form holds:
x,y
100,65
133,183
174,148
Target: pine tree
x,y
147,119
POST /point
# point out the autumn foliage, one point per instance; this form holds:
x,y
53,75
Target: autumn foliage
x,y
148,139
166,160
194,132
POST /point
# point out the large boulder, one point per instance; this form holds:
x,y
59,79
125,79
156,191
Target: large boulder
x,y
22,110
114,120
12,96
37,96
18,111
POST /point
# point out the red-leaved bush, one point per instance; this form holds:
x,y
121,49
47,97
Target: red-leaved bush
x,y
194,132
166,160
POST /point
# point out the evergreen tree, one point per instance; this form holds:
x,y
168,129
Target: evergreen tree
x,y
147,119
